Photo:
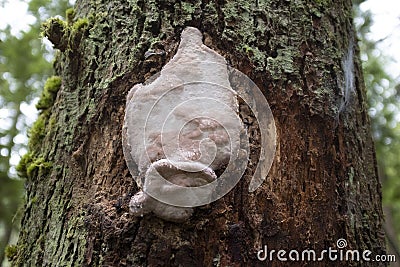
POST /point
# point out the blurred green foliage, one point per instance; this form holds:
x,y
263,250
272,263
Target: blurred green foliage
x,y
383,98
23,71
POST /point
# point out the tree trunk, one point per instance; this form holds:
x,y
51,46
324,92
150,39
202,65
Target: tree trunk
x,y
323,184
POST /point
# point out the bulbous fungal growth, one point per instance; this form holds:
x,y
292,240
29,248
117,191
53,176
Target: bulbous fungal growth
x,y
179,128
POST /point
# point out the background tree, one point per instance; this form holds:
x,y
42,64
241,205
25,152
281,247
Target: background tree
x,y
323,184
383,101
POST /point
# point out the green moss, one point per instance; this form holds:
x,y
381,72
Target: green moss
x,y
53,84
65,35
49,92
45,101
31,162
52,24
11,252
37,132
56,30
80,24
25,161
29,165
39,166
70,15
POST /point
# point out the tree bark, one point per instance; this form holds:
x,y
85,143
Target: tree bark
x,y
323,184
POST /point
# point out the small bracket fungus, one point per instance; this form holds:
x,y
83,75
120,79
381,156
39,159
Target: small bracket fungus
x,y
180,127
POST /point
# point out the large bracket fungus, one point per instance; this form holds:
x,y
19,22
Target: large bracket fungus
x,y
180,127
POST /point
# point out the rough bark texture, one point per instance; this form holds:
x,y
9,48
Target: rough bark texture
x,y
323,184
